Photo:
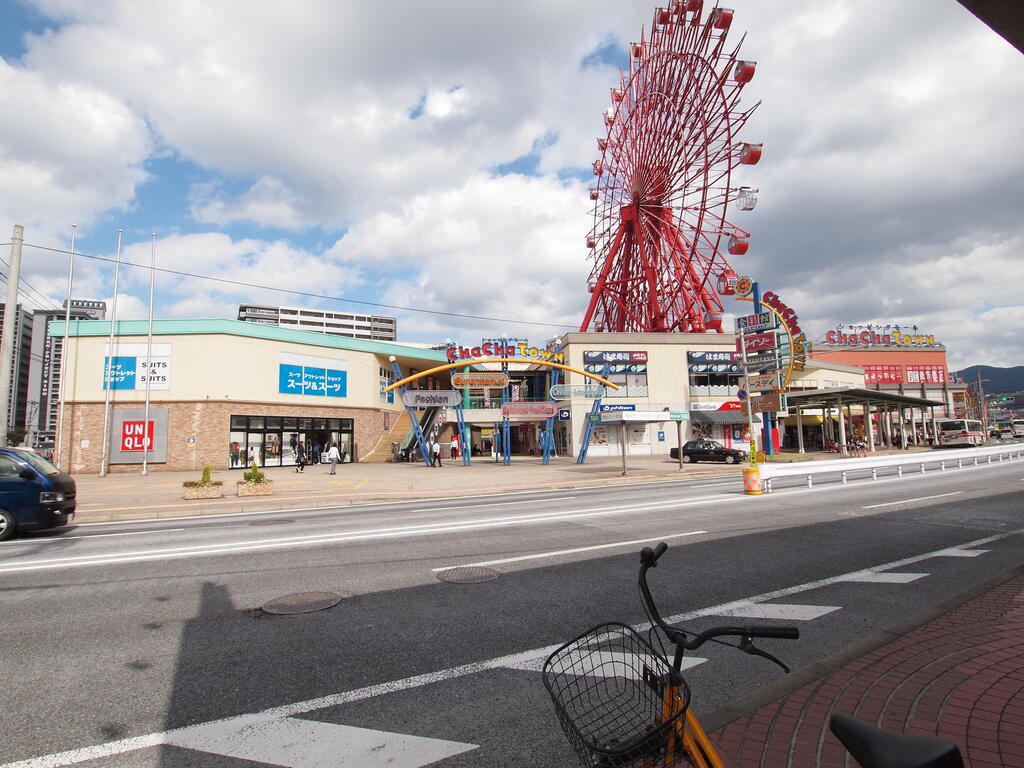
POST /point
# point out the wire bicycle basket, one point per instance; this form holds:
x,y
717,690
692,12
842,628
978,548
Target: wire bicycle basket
x,y
608,687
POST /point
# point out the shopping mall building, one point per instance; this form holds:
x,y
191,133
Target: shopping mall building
x,y
229,393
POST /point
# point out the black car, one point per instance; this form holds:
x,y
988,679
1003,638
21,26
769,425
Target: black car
x,y
708,450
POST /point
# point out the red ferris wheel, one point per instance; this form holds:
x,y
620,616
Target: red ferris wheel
x,y
664,179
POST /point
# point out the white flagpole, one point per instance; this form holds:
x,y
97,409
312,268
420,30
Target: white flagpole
x,y
61,388
147,447
105,459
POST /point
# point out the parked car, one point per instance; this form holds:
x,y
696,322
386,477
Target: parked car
x,y
708,450
34,494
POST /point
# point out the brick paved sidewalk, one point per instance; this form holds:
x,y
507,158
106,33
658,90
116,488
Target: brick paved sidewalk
x,y
959,675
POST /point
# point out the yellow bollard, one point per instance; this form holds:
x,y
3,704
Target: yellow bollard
x,y
752,481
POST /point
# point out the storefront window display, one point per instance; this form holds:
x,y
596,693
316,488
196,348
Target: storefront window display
x,y
273,441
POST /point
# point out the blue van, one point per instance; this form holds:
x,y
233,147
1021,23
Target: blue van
x,y
34,494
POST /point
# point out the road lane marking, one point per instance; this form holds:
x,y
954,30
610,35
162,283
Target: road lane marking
x,y
883,577
778,611
58,539
493,504
560,552
299,743
907,501
960,552
74,756
332,538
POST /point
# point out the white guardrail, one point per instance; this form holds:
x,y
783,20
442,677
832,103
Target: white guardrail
x,y
944,457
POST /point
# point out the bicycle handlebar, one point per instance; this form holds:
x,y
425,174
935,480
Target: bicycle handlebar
x,y
649,559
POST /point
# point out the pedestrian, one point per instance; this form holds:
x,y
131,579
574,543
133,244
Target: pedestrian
x,y
333,456
315,457
300,457
435,452
252,457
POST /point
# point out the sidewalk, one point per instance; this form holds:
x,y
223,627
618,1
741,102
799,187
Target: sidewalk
x,y
956,672
132,496
128,495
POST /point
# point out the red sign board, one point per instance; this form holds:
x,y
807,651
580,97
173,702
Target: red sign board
x,y
136,438
756,342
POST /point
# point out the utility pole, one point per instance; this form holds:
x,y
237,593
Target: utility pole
x,y
982,410
10,330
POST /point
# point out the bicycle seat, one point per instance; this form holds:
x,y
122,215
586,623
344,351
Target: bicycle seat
x,y
875,748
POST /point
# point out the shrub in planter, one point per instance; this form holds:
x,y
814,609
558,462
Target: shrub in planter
x,y
205,488
255,483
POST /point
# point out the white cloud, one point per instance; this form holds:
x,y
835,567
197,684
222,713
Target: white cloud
x,y
499,247
68,150
890,183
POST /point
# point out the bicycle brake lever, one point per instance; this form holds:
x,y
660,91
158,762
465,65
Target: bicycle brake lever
x,y
747,646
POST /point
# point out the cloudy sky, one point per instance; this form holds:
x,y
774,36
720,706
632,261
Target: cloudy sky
x,y
437,155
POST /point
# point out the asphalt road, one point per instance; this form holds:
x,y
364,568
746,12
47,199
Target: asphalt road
x,y
135,643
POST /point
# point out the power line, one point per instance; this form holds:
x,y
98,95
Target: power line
x,y
28,285
300,293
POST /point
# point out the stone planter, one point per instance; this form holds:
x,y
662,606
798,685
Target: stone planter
x,y
255,489
212,491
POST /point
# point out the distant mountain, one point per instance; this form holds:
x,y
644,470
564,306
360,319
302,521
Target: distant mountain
x,y
998,379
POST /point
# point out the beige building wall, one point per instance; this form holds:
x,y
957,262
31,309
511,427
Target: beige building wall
x,y
218,367
214,376
668,385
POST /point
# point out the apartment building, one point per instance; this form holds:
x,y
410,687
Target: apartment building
x,y
369,327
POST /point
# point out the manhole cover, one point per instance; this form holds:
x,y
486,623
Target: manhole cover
x,y
302,602
470,574
271,522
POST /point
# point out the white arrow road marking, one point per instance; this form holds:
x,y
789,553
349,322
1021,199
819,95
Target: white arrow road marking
x,y
777,611
298,743
513,661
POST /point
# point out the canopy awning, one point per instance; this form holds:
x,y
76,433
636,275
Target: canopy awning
x,y
719,417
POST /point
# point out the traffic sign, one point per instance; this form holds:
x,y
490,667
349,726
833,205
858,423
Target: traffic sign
x,y
679,415
741,394
594,418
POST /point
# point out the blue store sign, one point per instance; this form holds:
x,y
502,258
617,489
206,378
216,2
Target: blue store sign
x,y
304,380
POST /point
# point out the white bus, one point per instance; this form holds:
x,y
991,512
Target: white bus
x,y
1018,427
962,432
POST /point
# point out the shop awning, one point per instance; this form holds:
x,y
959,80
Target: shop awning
x,y
719,417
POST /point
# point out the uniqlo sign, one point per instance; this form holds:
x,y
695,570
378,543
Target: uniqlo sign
x,y
137,435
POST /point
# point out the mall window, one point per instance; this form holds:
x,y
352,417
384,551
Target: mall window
x,y
926,374
883,374
386,380
713,374
627,370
